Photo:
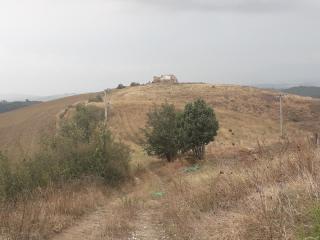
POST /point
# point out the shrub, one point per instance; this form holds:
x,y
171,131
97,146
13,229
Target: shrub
x,y
82,147
121,86
97,98
198,127
134,84
7,183
169,132
161,132
83,123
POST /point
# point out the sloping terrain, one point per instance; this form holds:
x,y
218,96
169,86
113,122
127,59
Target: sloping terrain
x,y
253,184
246,115
21,130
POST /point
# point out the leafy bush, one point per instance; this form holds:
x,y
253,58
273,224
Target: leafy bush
x,y
161,132
121,86
82,147
134,84
169,132
7,183
97,98
82,124
198,127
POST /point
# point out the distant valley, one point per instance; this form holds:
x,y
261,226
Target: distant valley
x,y
10,106
305,91
22,97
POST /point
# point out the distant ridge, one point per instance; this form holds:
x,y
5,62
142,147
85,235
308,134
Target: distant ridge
x,y
23,97
306,91
10,106
53,97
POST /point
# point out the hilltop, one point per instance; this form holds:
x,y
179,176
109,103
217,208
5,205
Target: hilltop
x,y
247,114
252,184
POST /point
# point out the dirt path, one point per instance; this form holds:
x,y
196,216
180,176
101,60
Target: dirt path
x,y
90,227
147,224
147,227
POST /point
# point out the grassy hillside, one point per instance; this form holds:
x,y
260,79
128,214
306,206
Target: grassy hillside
x,y
246,115
22,129
10,106
252,185
304,91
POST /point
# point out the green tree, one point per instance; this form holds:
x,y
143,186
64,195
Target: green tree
x,y
82,147
161,132
198,127
83,123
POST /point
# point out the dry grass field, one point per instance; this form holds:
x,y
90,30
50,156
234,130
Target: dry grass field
x,y
246,114
22,129
252,185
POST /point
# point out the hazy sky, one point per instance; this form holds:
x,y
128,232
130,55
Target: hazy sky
x,y
58,46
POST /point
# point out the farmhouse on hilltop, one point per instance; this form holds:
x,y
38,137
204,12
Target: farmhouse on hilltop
x,y
170,78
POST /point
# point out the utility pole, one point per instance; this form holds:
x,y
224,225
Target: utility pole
x,y
106,105
281,114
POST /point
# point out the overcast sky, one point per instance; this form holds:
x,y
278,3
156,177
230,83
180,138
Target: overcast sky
x,y
59,46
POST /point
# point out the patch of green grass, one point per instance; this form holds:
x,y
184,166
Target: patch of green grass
x,y
312,232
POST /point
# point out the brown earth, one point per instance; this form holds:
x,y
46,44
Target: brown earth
x,y
228,198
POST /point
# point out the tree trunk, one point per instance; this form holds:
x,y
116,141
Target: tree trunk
x,y
169,157
198,152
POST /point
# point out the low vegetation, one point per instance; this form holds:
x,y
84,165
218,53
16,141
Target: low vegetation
x,y
97,98
121,86
169,132
273,195
134,84
81,149
162,133
198,127
268,191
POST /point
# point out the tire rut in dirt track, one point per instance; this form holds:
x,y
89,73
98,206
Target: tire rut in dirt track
x,y
147,228
147,225
90,227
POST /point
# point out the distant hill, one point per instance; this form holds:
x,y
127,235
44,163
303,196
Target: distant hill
x,y
245,113
304,91
22,97
53,97
10,106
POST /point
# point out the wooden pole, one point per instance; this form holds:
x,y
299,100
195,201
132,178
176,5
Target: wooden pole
x,y
281,116
105,107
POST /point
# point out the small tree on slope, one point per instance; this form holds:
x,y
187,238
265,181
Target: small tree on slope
x,y
198,127
162,133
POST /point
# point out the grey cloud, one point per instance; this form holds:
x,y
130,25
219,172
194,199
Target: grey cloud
x,y
224,5
49,47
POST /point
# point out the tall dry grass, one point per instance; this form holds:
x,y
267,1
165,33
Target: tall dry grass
x,y
267,196
49,211
121,223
